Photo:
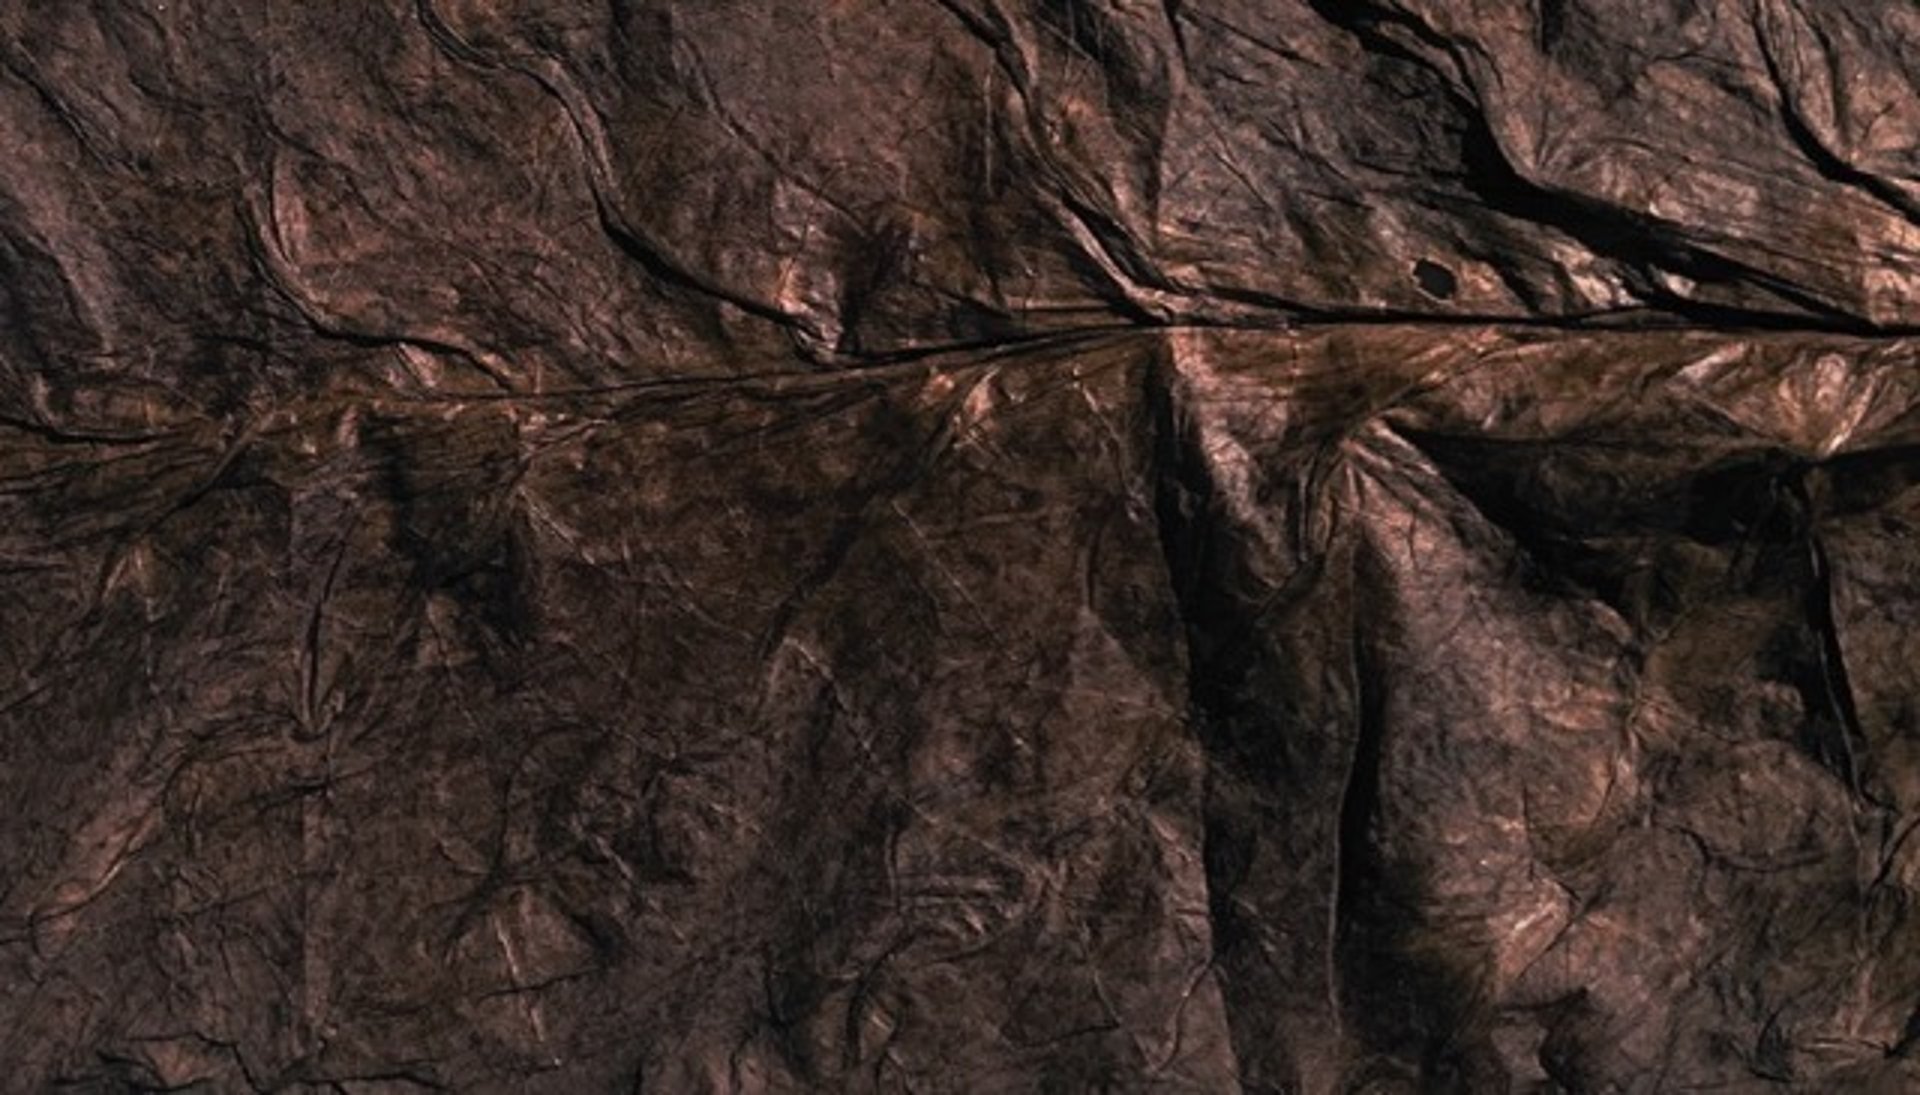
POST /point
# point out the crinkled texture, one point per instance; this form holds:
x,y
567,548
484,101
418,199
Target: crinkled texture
x,y
963,545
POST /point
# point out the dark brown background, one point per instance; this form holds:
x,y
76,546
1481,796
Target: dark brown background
x,y
959,545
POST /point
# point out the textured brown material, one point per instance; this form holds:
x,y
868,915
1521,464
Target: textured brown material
x,y
959,546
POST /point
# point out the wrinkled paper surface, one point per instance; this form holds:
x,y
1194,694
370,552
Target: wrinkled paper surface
x,y
959,545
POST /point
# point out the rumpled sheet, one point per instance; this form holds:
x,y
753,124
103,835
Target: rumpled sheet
x,y
1254,546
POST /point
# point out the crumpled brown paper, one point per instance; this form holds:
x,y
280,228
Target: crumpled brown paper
x,y
959,545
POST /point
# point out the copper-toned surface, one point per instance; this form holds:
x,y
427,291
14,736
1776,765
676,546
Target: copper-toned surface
x,y
959,546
